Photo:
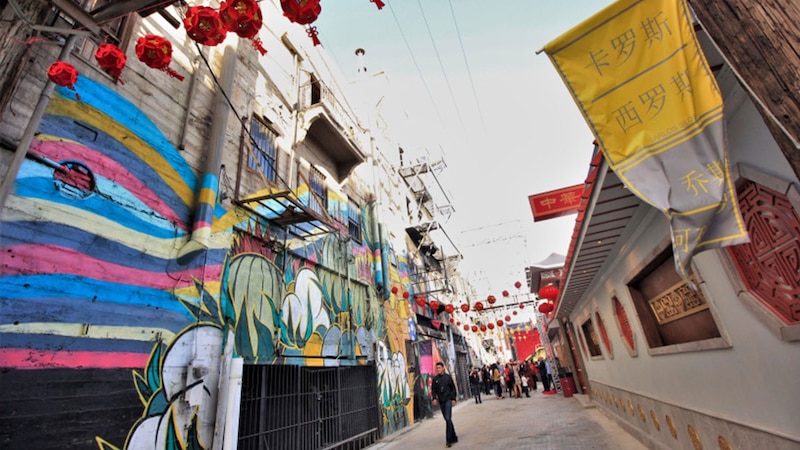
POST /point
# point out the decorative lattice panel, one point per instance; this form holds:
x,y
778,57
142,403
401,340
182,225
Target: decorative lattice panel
x,y
624,324
770,263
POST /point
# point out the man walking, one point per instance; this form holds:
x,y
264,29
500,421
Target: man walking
x,y
444,392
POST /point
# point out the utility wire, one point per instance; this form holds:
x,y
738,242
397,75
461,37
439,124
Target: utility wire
x,y
441,65
419,71
466,63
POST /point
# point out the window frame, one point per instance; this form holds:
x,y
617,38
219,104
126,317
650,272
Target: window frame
x,y
261,127
776,325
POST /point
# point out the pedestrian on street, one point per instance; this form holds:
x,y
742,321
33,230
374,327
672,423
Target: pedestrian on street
x,y
444,392
475,383
497,379
544,374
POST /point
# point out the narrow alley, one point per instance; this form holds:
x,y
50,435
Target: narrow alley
x,y
538,422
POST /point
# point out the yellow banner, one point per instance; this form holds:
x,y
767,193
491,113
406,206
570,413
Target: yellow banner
x,y
638,74
636,71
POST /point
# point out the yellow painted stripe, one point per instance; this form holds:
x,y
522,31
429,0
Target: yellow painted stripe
x,y
99,120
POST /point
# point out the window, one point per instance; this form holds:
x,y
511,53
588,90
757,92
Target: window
x,y
318,192
263,158
624,325
768,265
592,340
670,311
603,333
354,221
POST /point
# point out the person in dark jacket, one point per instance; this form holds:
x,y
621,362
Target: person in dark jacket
x,y
444,392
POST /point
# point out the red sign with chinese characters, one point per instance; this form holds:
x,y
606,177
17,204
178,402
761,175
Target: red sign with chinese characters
x,y
557,203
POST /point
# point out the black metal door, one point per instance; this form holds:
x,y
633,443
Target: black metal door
x,y
308,408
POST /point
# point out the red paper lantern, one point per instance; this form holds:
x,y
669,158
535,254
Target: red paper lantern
x,y
303,12
452,320
508,318
63,74
111,59
474,328
505,293
156,53
458,324
491,299
466,327
464,307
243,17
499,322
378,3
548,292
522,306
420,301
204,26
449,308
394,289
406,295
478,306
491,326
517,285
434,304
483,327
514,312
545,308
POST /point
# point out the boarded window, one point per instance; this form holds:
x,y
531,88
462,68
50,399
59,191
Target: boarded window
x,y
670,311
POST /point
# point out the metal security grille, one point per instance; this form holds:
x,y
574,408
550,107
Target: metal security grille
x,y
308,408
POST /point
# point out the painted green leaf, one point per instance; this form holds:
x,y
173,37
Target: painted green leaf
x,y
173,442
192,441
210,303
144,390
241,336
154,368
158,404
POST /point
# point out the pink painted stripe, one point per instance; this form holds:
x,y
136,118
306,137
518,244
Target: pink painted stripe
x,y
109,169
61,260
18,358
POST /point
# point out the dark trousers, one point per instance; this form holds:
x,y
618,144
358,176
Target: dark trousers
x,y
497,389
447,414
546,382
476,392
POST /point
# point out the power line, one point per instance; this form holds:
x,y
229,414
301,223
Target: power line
x,y
419,71
466,63
441,65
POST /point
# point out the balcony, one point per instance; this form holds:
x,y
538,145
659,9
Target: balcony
x,y
329,123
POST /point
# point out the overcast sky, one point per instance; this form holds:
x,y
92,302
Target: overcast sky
x,y
507,125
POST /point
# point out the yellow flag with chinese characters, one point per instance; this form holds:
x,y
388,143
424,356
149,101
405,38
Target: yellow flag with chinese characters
x,y
636,71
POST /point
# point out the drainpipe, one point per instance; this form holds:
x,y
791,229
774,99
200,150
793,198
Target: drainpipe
x,y
33,126
209,184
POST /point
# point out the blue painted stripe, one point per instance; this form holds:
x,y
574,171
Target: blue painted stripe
x,y
143,171
44,189
92,245
67,310
87,291
52,342
130,116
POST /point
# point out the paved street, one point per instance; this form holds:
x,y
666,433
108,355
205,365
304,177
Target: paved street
x,y
539,422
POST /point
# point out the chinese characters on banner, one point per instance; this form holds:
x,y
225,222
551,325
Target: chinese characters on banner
x,y
636,71
556,203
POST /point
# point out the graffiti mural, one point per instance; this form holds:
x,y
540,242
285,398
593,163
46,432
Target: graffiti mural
x,y
92,281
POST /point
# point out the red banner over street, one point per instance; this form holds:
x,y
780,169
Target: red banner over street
x,y
557,203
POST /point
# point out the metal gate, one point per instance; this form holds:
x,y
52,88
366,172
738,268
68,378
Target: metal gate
x,y
308,408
